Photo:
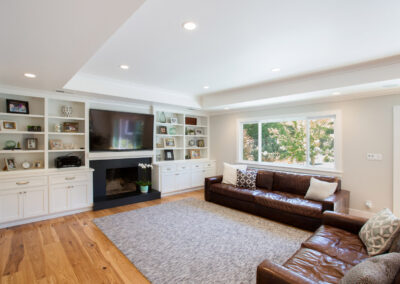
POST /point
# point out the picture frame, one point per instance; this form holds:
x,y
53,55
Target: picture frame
x,y
169,142
194,154
192,143
15,106
8,125
174,120
200,143
10,164
190,120
38,164
168,155
71,127
162,130
56,144
199,131
31,143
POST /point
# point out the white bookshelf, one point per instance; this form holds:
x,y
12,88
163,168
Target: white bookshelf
x,y
44,112
182,133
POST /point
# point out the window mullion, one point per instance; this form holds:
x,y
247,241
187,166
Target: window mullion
x,y
308,142
259,141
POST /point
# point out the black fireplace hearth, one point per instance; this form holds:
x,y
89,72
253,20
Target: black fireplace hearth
x,y
115,183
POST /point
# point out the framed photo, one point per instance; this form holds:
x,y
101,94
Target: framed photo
x,y
192,143
168,155
71,127
56,144
199,131
162,130
10,164
31,143
8,125
174,120
200,143
14,106
169,142
37,164
194,154
190,120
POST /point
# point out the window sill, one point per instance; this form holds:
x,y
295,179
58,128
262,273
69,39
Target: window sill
x,y
299,169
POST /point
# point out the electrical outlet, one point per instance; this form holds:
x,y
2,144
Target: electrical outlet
x,y
368,203
374,157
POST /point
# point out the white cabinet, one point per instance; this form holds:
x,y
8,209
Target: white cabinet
x,y
35,202
175,177
11,205
58,198
78,196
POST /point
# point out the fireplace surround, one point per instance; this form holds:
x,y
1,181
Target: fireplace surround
x,y
114,183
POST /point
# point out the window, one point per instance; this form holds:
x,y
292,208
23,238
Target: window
x,y
304,142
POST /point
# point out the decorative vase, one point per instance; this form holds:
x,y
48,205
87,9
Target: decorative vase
x,y
162,118
66,110
144,188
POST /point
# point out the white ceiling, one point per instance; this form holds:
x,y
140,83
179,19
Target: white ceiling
x,y
238,42
54,39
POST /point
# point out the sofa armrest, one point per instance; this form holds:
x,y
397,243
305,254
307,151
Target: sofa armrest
x,y
269,272
207,184
338,202
346,222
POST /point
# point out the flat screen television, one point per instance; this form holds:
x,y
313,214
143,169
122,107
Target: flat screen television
x,y
120,131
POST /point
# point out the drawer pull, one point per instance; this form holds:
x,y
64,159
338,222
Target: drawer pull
x,y
69,178
22,182
204,171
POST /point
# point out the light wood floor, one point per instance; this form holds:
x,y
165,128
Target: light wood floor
x,y
69,249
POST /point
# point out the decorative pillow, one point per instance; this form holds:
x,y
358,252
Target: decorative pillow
x,y
230,174
379,231
246,179
380,269
395,247
319,190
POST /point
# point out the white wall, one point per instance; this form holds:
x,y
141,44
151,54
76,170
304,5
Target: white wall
x,y
366,128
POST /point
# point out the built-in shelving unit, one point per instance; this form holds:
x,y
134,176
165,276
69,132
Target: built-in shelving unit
x,y
187,141
48,114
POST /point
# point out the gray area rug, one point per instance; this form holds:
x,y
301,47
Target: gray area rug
x,y
194,241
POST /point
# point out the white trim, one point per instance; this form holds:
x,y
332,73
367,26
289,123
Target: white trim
x,y
360,213
396,160
181,191
120,155
306,116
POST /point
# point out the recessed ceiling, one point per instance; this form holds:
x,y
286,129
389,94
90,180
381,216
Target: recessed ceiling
x,y
239,43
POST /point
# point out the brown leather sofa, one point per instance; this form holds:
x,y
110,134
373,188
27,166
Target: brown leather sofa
x,y
279,196
324,258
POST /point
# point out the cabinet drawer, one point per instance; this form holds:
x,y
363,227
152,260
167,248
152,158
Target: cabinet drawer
x,y
183,168
56,179
210,164
168,169
23,182
197,166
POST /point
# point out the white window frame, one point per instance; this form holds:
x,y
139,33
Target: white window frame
x,y
337,114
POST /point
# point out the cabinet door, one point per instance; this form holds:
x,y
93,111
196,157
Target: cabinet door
x,y
11,205
198,178
210,172
183,180
168,182
78,196
58,198
35,202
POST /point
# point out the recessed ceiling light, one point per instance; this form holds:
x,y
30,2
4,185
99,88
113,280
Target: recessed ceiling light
x,y
206,87
336,93
124,67
276,69
190,26
30,75
226,108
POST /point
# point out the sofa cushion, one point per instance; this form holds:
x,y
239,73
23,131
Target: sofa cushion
x,y
244,194
230,173
289,202
297,183
337,243
317,266
246,179
320,190
265,179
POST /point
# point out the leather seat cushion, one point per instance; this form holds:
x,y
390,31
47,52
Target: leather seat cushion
x,y
289,202
337,243
317,266
265,179
244,194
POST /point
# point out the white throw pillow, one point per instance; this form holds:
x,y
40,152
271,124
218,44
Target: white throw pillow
x,y
319,190
230,174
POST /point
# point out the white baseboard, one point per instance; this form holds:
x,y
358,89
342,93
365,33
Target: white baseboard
x,y
360,213
180,191
44,217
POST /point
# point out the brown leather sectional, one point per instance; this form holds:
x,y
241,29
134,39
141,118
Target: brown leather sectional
x,y
279,196
324,258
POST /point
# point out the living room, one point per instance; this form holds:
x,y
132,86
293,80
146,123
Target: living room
x,y
153,141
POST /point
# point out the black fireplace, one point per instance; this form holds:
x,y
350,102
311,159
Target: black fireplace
x,y
115,183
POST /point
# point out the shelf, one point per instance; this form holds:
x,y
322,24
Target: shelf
x,y
195,148
169,124
20,151
66,118
67,150
174,135
21,132
66,133
178,148
189,125
21,115
196,135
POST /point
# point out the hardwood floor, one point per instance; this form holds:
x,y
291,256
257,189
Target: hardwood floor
x,y
69,249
